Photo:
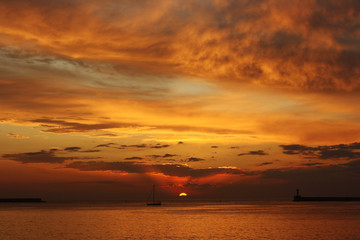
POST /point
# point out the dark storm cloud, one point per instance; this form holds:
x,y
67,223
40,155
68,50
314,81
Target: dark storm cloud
x,y
258,152
282,41
37,157
167,169
340,151
335,15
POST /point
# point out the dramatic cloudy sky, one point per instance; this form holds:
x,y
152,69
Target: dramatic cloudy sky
x,y
222,99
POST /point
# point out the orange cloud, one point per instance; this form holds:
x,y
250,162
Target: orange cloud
x,y
17,136
273,43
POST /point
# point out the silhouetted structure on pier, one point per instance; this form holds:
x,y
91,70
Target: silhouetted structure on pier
x,y
299,198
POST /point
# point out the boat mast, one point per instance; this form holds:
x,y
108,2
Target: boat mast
x,y
153,192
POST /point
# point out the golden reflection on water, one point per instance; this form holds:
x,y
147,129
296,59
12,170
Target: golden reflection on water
x,y
175,221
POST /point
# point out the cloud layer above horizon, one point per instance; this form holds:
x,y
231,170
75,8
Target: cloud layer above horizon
x,y
309,45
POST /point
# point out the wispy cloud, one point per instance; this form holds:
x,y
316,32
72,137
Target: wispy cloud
x,y
37,157
134,158
17,136
195,159
72,149
265,164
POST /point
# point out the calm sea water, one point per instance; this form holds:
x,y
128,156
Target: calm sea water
x,y
254,220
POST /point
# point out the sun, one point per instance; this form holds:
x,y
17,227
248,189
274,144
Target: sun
x,y
182,194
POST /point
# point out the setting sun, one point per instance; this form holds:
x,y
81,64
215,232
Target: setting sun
x,y
182,194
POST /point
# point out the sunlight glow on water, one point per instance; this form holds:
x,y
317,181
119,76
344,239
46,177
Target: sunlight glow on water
x,y
181,221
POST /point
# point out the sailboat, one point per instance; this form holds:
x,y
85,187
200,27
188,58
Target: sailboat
x,y
153,203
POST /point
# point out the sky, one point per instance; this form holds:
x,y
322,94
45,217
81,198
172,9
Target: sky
x,y
220,99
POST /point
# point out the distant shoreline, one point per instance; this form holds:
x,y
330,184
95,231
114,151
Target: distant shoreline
x,y
21,200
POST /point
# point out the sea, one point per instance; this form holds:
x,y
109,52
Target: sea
x,y
172,220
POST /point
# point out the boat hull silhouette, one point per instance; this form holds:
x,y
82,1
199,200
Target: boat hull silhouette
x,y
153,203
